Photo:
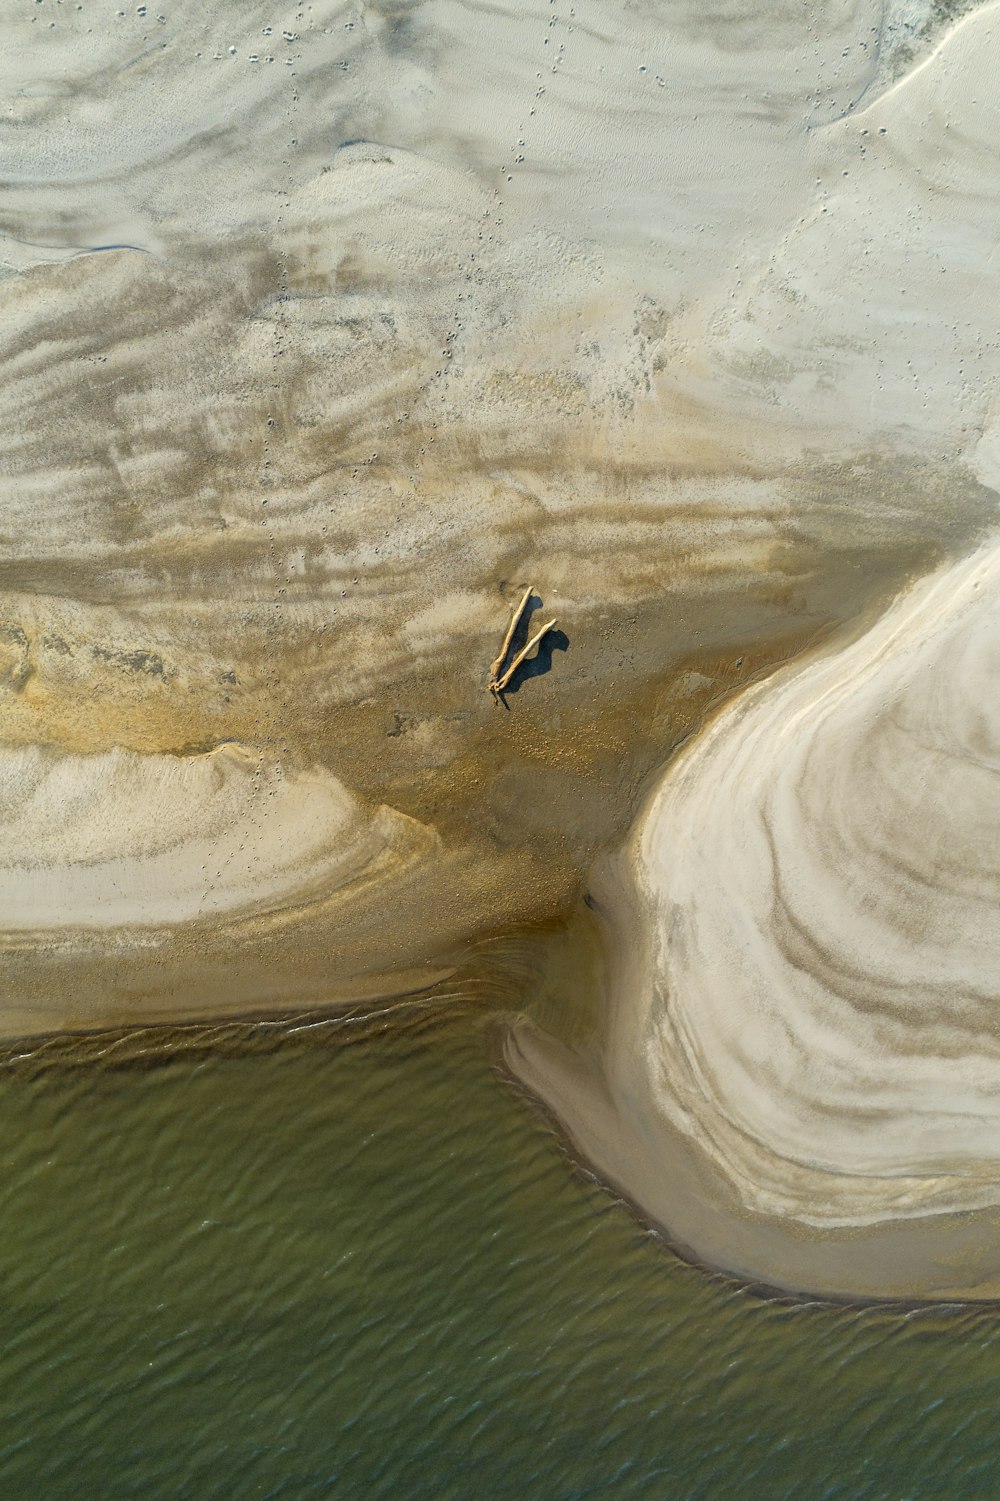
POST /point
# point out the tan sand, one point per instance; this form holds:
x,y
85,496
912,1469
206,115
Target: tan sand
x,y
122,840
814,1012
326,329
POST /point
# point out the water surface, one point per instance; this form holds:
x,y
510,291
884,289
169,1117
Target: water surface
x,y
359,1265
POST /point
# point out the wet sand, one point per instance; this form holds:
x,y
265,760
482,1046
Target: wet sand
x,y
797,1070
326,331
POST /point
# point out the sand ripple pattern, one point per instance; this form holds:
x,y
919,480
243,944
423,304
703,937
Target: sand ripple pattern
x,y
120,839
823,875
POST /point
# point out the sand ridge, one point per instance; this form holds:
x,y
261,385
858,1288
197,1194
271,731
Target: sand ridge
x,y
326,329
121,840
798,1073
821,873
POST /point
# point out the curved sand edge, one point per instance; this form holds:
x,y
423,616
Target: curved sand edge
x,y
785,1107
940,1258
120,841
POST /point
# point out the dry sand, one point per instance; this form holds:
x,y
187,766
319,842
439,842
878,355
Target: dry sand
x,y
127,841
803,1026
822,873
325,329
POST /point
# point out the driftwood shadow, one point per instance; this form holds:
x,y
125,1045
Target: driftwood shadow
x,y
541,663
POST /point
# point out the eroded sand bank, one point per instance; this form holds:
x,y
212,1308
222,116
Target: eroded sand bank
x,y
127,841
803,1031
325,329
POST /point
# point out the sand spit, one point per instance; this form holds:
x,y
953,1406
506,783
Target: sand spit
x,y
122,840
813,1017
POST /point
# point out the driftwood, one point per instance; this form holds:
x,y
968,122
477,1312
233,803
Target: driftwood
x,y
515,621
536,638
497,684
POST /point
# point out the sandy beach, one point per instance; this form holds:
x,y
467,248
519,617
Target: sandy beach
x,y
326,331
801,1059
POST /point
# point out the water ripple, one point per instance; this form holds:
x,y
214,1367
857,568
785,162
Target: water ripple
x,y
369,1270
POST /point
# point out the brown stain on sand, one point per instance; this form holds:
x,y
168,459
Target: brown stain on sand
x,y
522,800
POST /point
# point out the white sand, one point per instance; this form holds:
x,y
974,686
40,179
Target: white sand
x,y
800,1072
676,274
122,840
822,873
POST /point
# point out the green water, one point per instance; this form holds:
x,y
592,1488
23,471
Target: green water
x,y
364,1269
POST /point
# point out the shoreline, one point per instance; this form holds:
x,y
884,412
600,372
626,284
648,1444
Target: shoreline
x,y
160,1043
655,1102
520,1074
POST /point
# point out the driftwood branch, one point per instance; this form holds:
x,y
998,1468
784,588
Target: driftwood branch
x,y
497,685
515,621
